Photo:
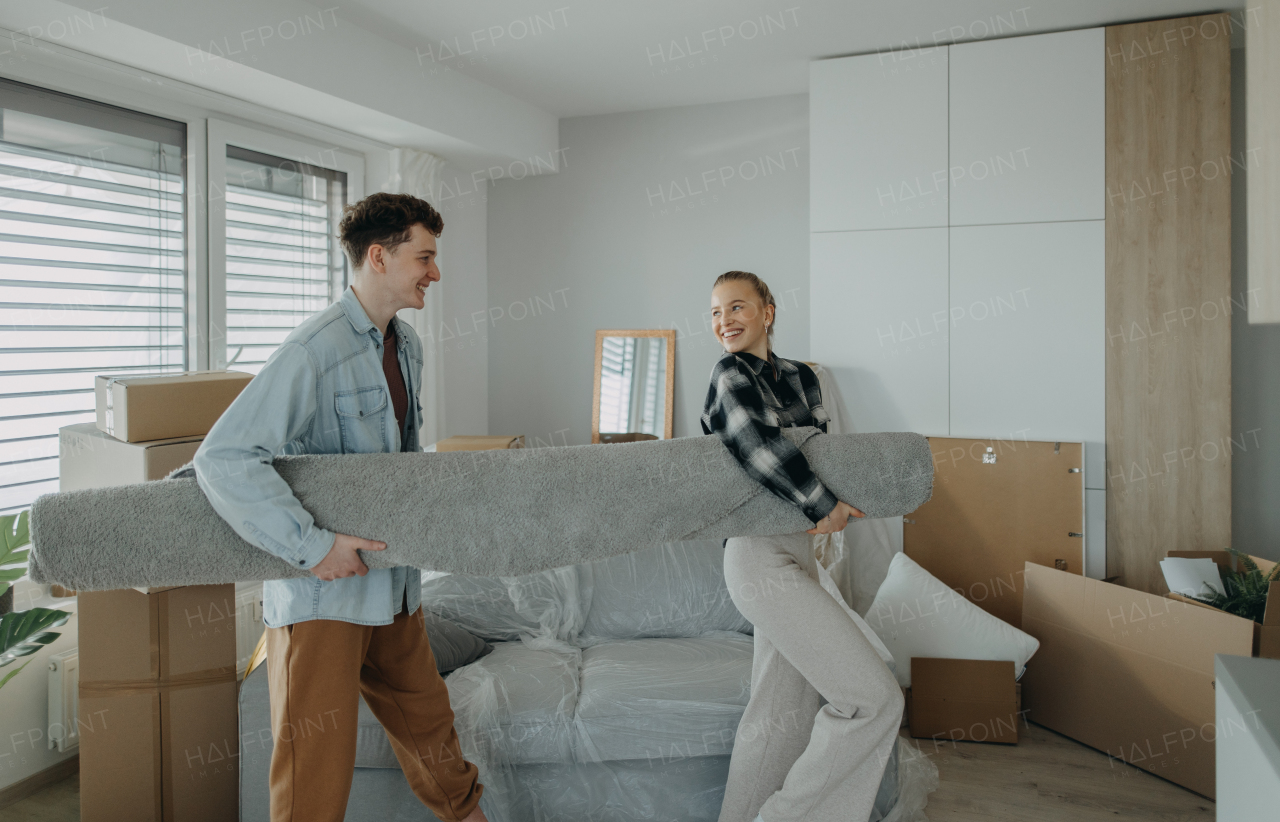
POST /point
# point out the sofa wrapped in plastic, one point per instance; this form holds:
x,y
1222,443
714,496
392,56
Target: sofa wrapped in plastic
x,y
614,692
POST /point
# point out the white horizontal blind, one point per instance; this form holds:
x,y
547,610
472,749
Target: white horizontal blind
x,y
651,402
617,364
283,259
91,267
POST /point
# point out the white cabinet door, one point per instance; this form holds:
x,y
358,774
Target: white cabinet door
x,y
1027,129
878,321
1028,335
878,141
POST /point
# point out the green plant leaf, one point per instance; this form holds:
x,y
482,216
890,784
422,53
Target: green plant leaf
x,y
14,673
25,632
14,534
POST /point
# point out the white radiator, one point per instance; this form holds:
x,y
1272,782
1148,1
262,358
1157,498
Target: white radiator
x,y
64,700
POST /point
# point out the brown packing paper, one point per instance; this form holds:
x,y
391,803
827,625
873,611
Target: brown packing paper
x,y
158,705
973,700
1127,672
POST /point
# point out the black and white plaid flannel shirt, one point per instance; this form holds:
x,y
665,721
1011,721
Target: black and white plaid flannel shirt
x,y
747,407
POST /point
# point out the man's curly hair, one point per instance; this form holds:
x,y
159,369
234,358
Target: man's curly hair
x,y
386,220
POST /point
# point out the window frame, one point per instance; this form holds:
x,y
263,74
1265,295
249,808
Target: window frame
x,y
219,135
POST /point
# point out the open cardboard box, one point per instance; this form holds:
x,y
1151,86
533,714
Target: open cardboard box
x,y
1131,673
1266,636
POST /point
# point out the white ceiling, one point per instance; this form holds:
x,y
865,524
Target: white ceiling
x,y
573,58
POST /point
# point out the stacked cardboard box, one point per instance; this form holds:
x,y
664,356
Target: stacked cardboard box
x,y
158,734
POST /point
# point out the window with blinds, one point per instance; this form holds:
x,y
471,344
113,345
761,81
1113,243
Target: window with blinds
x,y
92,273
284,262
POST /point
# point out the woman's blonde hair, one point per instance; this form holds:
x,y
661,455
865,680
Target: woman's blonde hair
x,y
762,290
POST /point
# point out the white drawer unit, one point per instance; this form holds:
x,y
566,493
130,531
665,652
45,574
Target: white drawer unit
x,y
878,141
1027,129
1028,335
878,322
957,254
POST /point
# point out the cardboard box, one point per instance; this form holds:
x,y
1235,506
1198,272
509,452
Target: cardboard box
x,y
159,740
141,408
91,458
1128,672
974,700
479,443
1266,636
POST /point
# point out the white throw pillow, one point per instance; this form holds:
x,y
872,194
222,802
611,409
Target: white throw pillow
x,y
915,614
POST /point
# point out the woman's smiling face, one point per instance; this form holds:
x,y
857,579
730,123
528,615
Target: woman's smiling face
x,y
740,319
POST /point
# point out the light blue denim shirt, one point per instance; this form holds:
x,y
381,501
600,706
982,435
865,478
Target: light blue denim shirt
x,y
323,391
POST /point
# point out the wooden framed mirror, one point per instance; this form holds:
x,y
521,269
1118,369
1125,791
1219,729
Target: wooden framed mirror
x,y
633,391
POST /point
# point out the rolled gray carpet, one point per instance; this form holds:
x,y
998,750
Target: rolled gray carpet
x,y
483,513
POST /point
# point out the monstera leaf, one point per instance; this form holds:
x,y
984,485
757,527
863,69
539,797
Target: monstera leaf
x,y
25,632
13,535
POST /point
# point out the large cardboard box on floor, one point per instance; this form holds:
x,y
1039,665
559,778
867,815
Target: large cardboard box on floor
x,y
91,458
141,408
158,725
1127,672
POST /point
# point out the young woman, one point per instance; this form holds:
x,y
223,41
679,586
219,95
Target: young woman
x,y
791,761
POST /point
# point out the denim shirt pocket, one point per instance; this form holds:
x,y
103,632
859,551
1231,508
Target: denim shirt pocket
x,y
361,419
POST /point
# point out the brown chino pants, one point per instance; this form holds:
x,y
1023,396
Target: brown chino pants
x,y
317,672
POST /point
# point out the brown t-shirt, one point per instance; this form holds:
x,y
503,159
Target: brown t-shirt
x,y
395,380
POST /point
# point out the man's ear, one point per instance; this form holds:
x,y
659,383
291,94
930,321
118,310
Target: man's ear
x,y
375,259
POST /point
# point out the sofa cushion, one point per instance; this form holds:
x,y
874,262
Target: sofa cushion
x,y
675,589
663,697
452,645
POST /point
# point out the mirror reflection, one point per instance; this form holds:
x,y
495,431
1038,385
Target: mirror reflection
x,y
633,390
632,383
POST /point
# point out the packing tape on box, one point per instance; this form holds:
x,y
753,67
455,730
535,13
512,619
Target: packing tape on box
x,y
135,687
109,414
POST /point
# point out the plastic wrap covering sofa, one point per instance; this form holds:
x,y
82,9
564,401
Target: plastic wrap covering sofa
x,y
614,692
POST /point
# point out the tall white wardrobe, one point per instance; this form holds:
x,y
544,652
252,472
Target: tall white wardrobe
x,y
957,258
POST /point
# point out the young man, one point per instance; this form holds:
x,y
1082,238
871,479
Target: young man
x,y
345,381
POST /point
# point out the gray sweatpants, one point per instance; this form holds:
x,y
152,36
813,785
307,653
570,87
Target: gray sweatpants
x,y
792,761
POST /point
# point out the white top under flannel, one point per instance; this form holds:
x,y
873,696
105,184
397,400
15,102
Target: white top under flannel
x,y
748,403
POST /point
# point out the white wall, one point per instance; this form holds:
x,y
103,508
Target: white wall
x,y
464,284
1255,381
648,209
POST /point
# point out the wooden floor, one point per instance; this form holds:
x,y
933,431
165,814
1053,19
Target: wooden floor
x,y
1044,778
1050,778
